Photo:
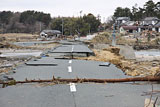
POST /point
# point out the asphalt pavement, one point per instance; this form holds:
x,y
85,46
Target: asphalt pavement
x,y
73,95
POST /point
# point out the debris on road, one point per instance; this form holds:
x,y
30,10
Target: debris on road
x,y
105,64
81,80
35,64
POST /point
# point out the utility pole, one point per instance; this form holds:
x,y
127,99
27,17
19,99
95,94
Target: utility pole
x,y
40,24
89,29
80,13
62,25
114,36
2,28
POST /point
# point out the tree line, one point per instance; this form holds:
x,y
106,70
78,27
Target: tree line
x,y
35,22
149,9
76,25
26,22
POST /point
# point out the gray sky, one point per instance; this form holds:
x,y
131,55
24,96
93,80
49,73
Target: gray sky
x,y
70,7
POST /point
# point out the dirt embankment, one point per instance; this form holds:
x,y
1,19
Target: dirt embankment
x,y
18,37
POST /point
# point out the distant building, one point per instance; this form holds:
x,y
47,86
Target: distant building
x,y
121,20
150,21
124,25
157,27
128,29
49,33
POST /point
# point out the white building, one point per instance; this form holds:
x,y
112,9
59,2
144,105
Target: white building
x,y
49,33
150,21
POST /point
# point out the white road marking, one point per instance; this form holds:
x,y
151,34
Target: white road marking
x,y
69,69
72,47
72,87
70,61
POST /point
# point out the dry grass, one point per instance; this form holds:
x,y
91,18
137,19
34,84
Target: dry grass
x,y
102,38
16,37
106,38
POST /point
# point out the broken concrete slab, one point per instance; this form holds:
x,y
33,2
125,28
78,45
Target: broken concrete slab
x,y
39,64
72,49
105,64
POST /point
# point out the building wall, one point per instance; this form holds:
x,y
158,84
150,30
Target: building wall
x,y
121,30
153,29
139,30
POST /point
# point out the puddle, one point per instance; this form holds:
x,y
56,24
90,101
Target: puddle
x,y
148,55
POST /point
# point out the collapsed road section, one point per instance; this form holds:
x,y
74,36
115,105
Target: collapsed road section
x,y
73,49
73,94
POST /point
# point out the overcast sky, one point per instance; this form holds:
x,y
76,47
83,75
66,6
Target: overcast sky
x,y
104,8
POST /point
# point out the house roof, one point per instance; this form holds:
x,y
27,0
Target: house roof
x,y
128,23
150,18
52,31
123,18
130,27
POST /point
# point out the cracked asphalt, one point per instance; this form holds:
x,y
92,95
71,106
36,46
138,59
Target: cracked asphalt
x,y
75,95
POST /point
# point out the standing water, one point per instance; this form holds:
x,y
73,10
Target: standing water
x,y
148,54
